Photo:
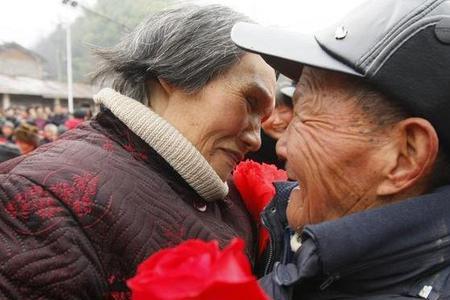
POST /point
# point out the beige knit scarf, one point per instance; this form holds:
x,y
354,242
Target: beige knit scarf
x,y
167,142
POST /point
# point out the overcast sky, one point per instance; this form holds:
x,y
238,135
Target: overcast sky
x,y
26,21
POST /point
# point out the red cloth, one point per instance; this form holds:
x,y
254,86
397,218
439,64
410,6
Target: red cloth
x,y
73,123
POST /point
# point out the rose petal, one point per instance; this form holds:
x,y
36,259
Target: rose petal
x,y
196,270
233,264
239,291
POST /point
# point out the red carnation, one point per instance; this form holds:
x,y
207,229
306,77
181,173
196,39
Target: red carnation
x,y
196,270
254,182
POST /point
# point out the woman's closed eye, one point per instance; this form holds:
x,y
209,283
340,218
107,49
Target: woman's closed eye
x,y
258,108
251,107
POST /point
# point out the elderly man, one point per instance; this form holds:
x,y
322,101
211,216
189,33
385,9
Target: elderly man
x,y
370,147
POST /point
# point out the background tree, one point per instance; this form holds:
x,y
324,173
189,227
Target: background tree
x,y
92,30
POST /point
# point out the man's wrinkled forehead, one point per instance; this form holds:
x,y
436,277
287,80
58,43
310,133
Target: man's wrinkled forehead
x,y
304,83
321,86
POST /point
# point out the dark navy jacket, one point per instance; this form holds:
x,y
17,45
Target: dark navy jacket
x,y
399,251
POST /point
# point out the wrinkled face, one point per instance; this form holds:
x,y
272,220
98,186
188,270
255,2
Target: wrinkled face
x,y
223,120
278,121
331,149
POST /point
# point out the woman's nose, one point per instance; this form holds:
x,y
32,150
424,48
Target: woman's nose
x,y
252,136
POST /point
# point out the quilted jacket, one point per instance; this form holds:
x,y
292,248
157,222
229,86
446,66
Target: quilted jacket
x,y
78,215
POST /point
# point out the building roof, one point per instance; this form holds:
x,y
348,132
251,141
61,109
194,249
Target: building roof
x,y
13,45
20,85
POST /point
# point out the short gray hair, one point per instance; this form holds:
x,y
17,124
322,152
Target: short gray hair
x,y
51,127
187,47
387,112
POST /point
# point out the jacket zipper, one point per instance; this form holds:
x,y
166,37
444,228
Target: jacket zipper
x,y
329,281
269,260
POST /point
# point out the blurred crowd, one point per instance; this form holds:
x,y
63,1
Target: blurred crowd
x,y
23,129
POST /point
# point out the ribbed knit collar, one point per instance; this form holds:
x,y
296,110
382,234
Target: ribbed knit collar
x,y
167,141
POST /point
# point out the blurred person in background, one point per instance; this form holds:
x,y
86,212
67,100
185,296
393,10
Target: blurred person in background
x,y
61,129
148,172
21,114
27,138
49,134
78,117
88,109
30,115
7,133
8,148
59,116
11,115
275,125
8,151
41,117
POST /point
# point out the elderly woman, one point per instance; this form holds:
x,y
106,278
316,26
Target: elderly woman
x,y
150,171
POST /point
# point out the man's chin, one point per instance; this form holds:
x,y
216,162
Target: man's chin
x,y
295,225
290,173
294,211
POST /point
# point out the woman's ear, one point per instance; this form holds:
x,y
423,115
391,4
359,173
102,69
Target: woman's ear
x,y
410,157
159,94
166,86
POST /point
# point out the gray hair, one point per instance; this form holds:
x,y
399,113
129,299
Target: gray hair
x,y
51,127
187,47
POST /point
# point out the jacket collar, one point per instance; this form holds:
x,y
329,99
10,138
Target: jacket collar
x,y
167,141
395,243
416,228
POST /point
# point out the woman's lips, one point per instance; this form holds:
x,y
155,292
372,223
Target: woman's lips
x,y
235,156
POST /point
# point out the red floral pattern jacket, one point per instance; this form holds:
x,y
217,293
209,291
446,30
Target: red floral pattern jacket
x,y
78,215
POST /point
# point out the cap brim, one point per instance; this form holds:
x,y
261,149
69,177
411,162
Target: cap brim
x,y
288,91
287,52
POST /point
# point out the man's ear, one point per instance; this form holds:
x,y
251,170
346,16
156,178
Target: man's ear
x,y
411,158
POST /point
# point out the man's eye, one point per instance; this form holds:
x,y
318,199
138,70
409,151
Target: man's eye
x,y
299,119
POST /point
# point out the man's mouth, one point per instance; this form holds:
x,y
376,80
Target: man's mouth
x,y
289,172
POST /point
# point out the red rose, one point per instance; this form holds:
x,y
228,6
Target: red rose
x,y
254,182
196,270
